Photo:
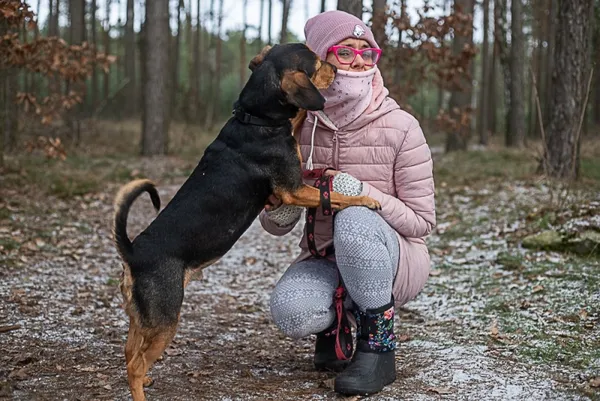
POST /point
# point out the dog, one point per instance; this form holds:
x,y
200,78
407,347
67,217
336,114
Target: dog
x,y
254,156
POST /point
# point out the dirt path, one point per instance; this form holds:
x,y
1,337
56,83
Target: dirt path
x,y
482,329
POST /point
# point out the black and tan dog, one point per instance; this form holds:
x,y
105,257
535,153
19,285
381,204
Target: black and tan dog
x,y
254,155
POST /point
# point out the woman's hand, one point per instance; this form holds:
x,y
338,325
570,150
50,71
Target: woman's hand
x,y
273,202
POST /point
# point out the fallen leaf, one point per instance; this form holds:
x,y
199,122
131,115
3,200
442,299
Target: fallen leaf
x,y
328,384
88,369
403,338
440,390
595,382
20,374
435,273
494,329
537,288
249,260
199,373
583,314
173,351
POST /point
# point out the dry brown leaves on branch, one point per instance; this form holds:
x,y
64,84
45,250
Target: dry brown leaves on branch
x,y
425,54
52,148
50,57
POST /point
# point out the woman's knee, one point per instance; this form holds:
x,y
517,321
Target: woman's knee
x,y
357,224
301,302
299,313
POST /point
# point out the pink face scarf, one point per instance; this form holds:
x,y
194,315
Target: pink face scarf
x,y
348,96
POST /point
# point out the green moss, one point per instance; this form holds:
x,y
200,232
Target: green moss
x,y
9,244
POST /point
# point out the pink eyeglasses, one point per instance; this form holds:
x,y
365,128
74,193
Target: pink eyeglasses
x,y
347,55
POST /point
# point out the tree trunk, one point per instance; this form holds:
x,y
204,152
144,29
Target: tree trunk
x,y
106,81
196,72
441,92
460,100
156,124
270,22
211,65
189,101
77,37
130,75
540,35
218,56
54,13
175,62
569,85
8,115
77,18
243,62
503,55
515,135
284,20
379,22
547,86
596,48
484,95
142,46
493,107
354,7
260,23
94,89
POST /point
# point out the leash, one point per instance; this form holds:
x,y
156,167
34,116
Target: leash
x,y
245,118
324,183
343,334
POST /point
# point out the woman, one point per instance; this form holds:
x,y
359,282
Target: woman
x,y
379,257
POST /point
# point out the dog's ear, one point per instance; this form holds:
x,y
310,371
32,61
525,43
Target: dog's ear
x,y
258,59
324,75
301,92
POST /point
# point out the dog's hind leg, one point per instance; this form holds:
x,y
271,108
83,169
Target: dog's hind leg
x,y
144,347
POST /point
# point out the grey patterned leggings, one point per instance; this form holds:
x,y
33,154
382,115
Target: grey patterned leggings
x,y
366,252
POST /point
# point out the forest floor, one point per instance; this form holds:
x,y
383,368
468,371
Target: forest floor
x,y
494,322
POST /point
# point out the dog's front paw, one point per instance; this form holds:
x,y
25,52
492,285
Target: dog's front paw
x,y
148,381
371,203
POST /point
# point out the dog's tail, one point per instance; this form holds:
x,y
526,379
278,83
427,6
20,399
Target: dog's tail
x,y
125,198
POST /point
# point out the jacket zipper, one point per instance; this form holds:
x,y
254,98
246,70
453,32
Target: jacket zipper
x,y
335,150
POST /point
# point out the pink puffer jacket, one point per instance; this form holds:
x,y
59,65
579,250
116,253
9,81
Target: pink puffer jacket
x,y
384,148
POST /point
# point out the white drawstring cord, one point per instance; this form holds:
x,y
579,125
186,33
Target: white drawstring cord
x,y
309,163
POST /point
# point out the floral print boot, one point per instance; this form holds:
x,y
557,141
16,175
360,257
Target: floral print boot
x,y
373,365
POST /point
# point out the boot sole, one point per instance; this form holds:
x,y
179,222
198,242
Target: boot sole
x,y
363,390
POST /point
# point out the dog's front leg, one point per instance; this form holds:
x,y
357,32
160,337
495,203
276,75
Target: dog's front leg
x,y
307,196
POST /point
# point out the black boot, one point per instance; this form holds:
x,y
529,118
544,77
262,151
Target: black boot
x,y
373,365
332,349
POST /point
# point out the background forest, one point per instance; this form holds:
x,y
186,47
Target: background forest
x,y
94,93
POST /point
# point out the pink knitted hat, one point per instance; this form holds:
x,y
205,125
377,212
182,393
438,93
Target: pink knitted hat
x,y
331,27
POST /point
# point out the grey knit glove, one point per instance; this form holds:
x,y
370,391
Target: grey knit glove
x,y
345,184
284,215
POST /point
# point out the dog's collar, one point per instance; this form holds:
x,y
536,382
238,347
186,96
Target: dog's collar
x,y
246,118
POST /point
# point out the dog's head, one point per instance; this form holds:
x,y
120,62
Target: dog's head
x,y
293,74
